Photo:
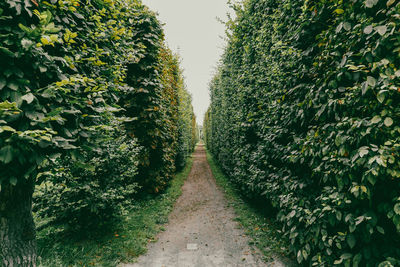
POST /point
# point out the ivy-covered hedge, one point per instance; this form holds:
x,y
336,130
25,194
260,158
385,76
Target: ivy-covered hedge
x,y
305,114
85,85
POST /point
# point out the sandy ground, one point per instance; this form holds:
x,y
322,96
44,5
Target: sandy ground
x,y
201,231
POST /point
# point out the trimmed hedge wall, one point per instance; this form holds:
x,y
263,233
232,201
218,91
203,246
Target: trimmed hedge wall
x,y
305,115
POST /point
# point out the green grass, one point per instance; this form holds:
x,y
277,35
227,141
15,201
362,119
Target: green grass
x,y
124,244
263,231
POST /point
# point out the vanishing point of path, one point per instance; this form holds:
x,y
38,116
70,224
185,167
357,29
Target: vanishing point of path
x,y
201,231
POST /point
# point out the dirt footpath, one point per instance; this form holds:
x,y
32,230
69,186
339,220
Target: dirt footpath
x,y
201,231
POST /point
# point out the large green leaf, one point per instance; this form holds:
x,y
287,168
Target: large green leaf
x,y
371,3
6,154
351,240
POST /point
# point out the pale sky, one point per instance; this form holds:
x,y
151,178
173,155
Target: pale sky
x,y
192,29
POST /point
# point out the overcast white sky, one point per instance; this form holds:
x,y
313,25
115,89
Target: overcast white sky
x,y
192,29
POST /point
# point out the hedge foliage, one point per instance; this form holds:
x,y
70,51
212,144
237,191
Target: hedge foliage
x,y
92,103
87,196
305,114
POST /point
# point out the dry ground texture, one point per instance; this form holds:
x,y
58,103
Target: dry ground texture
x,y
201,230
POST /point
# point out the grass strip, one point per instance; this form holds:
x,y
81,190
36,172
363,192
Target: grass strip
x,y
130,239
264,232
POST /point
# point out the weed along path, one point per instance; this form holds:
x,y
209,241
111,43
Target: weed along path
x,y
201,231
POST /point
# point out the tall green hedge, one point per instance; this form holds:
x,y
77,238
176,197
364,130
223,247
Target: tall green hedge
x,y
186,127
304,115
90,101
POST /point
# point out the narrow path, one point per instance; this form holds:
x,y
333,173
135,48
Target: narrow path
x,y
201,231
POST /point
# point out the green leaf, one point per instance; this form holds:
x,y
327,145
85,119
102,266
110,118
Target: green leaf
x,y
397,208
13,86
346,256
42,68
381,96
347,26
338,140
390,2
396,220
380,230
388,122
26,43
338,215
376,119
305,254
371,81
45,40
338,11
299,256
46,138
292,213
351,241
385,264
371,179
6,154
339,27
25,29
6,51
28,98
368,29
357,259
3,83
13,181
7,129
337,262
79,16
363,188
381,30
364,88
18,8
370,3
363,152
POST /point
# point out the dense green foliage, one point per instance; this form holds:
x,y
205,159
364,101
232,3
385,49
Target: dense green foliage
x,y
90,104
87,197
129,239
183,115
187,129
304,115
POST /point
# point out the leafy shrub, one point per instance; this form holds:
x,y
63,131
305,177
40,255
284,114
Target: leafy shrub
x,y
69,71
64,70
304,113
187,129
163,115
87,194
91,189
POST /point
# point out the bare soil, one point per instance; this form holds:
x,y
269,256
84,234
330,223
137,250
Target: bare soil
x,y
201,231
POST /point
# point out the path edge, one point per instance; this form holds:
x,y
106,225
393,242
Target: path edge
x,y
231,195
